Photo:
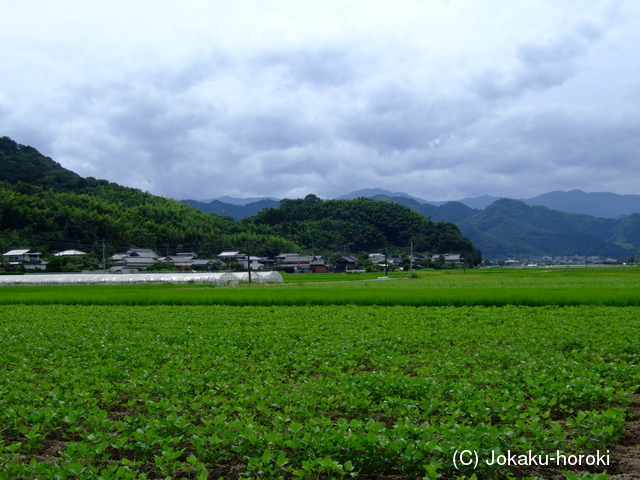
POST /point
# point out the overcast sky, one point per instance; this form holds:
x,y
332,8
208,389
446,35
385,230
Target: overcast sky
x,y
439,99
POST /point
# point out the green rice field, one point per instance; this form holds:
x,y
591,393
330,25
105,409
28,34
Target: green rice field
x,y
613,287
372,379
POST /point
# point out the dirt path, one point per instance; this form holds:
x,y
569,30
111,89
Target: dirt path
x,y
625,455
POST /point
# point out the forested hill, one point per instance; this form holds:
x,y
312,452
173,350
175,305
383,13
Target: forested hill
x,y
44,206
21,163
360,224
508,227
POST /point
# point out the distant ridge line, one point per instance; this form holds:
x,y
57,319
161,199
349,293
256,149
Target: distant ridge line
x,y
596,204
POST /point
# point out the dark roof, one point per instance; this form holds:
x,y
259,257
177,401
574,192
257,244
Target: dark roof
x,y
139,260
348,259
142,252
298,259
205,261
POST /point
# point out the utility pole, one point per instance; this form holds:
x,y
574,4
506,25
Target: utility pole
x,y
411,260
104,265
248,260
386,263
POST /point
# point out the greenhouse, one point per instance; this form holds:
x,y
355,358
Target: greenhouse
x,y
118,279
260,277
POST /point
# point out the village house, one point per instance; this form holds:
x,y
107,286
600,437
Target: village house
x,y
183,262
70,253
346,263
449,258
229,257
318,266
296,263
241,258
190,261
282,256
25,258
253,261
207,264
135,259
268,263
377,258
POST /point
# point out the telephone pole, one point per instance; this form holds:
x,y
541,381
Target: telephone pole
x,y
411,260
248,260
386,263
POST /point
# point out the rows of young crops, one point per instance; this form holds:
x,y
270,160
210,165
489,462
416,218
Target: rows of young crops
x,y
306,391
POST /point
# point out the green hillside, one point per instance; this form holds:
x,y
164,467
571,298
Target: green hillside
x,y
21,163
44,206
508,227
360,224
511,226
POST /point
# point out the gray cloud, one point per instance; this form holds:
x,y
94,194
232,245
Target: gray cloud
x,y
540,66
270,132
399,120
438,100
324,66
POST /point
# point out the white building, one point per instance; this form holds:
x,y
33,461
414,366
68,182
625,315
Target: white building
x,y
24,258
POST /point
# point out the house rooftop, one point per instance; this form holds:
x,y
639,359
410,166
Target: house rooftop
x,y
18,252
142,252
69,253
290,260
348,258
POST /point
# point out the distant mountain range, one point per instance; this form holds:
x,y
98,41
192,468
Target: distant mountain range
x,y
375,192
236,211
596,204
237,201
555,223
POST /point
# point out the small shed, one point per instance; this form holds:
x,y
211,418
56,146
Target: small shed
x,y
318,266
346,263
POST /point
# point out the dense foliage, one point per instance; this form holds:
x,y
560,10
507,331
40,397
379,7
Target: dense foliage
x,y
308,392
512,225
46,206
125,217
21,163
360,224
